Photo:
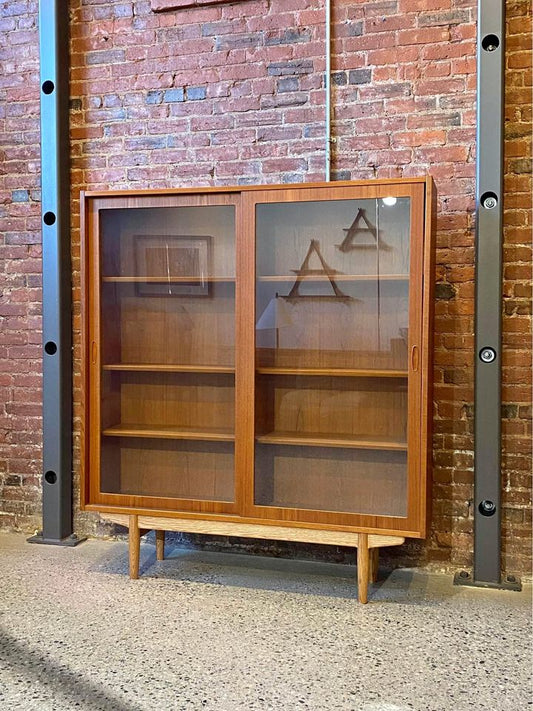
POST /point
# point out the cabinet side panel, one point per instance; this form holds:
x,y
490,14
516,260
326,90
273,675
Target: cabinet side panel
x,y
427,353
84,365
93,349
416,445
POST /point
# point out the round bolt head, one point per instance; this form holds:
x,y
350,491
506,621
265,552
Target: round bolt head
x,y
490,203
487,355
487,507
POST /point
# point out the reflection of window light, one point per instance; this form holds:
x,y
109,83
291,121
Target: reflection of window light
x,y
389,201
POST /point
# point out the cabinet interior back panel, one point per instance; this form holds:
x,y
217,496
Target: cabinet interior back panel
x,y
129,237
170,329
167,468
345,406
324,479
169,400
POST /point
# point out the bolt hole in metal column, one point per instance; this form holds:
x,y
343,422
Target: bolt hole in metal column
x,y
50,348
48,86
490,43
50,477
49,218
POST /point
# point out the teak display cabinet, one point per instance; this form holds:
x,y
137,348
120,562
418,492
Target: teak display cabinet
x,y
257,362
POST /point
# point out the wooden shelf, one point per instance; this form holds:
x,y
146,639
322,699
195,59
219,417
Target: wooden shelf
x,y
166,280
228,369
215,434
164,368
335,277
334,372
304,439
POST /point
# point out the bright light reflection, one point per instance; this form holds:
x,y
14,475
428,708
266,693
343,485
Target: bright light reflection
x,y
389,201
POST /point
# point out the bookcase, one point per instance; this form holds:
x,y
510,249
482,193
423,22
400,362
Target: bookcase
x,y
257,362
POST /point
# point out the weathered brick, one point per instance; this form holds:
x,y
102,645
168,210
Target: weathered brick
x,y
196,93
444,291
173,95
359,76
354,29
20,196
453,17
292,36
294,98
107,56
288,84
522,165
290,67
339,78
239,41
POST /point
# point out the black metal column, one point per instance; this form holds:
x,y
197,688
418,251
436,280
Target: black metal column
x,y
489,207
488,297
57,310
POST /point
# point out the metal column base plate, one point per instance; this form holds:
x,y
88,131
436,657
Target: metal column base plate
x,y
511,582
69,541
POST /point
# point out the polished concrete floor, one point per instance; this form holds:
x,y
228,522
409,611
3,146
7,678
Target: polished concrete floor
x,y
225,632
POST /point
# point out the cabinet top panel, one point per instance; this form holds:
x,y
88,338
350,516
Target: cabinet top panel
x,y
247,188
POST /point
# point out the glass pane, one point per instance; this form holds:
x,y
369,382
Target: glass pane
x,y
332,284
327,479
167,468
332,305
168,285
322,407
174,402
167,334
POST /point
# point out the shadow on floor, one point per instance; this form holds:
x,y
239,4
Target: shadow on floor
x,y
35,667
263,573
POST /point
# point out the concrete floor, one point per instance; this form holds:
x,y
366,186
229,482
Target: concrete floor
x,y
225,632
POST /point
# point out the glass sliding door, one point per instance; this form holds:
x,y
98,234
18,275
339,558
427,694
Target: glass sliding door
x,y
331,365
167,357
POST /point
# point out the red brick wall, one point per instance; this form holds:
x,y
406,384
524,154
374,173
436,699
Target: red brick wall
x,y
234,94
517,365
20,266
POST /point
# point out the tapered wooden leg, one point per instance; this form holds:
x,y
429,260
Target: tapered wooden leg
x,y
363,560
374,564
160,545
135,547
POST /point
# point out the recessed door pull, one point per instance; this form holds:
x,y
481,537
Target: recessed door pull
x,y
414,358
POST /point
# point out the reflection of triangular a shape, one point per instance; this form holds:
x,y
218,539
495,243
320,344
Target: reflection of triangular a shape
x,y
305,271
275,315
349,244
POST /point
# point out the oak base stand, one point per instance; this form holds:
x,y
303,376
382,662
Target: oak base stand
x,y
367,544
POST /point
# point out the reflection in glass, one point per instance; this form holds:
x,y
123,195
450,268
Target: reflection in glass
x,y
332,280
332,305
168,286
168,341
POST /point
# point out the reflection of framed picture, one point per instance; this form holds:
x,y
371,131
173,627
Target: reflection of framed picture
x,y
173,265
